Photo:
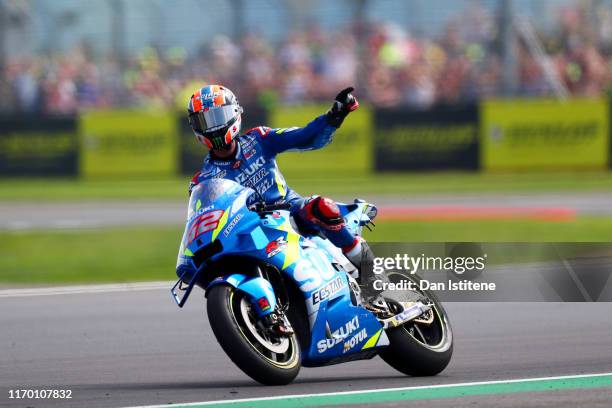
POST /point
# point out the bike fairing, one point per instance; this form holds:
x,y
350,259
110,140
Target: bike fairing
x,y
339,328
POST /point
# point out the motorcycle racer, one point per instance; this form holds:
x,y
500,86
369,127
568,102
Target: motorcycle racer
x,y
215,117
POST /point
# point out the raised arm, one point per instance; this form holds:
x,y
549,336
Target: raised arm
x,y
316,134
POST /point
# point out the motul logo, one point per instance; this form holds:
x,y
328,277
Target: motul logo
x,y
355,340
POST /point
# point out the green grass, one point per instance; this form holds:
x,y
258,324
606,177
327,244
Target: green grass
x,y
139,254
79,256
383,184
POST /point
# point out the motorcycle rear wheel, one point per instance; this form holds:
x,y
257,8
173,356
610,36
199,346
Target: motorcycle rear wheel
x,y
418,349
267,360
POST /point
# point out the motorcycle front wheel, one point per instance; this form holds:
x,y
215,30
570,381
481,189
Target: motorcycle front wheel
x,y
266,358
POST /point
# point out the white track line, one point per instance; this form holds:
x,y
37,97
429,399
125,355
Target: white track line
x,y
422,387
85,289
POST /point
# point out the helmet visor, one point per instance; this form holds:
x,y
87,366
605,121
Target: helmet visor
x,y
212,119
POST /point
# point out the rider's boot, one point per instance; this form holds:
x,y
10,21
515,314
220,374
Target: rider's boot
x,y
360,254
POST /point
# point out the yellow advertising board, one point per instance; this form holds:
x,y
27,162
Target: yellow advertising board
x,y
519,134
128,143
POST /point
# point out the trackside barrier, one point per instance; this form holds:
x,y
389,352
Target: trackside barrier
x,y
494,135
520,134
47,146
140,143
444,137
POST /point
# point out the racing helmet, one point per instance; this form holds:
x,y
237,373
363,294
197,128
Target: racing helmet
x,y
214,116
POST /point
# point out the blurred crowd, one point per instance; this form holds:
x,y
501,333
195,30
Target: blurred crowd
x,y
388,64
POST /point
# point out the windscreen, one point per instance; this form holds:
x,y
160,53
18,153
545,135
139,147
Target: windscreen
x,y
215,193
210,199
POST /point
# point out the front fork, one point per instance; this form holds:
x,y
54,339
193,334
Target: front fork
x,y
270,313
259,290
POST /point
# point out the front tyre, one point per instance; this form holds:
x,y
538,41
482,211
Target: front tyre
x,y
268,359
420,347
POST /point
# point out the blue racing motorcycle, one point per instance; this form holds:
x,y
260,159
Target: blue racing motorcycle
x,y
258,267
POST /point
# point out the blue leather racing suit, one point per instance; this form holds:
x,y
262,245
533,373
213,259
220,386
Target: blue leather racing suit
x,y
254,164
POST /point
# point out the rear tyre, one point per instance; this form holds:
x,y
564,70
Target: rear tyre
x,y
267,359
417,348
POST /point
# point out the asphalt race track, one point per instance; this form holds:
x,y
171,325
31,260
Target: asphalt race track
x,y
127,348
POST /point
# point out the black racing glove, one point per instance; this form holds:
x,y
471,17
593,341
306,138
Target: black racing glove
x,y
344,104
